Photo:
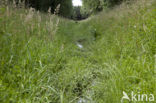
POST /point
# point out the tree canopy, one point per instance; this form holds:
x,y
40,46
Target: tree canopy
x,y
98,5
66,8
43,5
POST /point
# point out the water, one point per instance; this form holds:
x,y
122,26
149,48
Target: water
x,y
79,45
82,100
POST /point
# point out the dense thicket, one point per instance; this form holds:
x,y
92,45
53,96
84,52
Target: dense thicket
x,y
66,8
92,6
65,5
79,13
43,5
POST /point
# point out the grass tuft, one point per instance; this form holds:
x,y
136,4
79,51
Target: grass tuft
x,y
41,62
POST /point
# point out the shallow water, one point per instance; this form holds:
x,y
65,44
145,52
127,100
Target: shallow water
x,y
79,45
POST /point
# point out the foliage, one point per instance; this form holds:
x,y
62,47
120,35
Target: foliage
x,y
93,6
40,61
44,5
79,13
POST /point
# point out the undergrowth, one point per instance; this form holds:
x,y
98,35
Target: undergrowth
x,y
40,61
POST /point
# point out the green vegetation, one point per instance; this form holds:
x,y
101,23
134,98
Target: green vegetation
x,y
65,6
40,61
93,6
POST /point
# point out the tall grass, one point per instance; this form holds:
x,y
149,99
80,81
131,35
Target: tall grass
x,y
41,63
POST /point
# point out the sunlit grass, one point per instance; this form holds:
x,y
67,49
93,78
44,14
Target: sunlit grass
x,y
40,61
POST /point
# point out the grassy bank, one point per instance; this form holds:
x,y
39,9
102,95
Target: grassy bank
x,y
40,61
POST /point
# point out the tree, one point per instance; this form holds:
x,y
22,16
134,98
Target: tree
x,y
93,6
43,5
66,8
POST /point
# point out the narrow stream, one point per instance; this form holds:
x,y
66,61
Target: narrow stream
x,y
79,45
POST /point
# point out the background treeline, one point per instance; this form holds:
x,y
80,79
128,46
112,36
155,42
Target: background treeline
x,y
79,13
94,6
44,5
66,8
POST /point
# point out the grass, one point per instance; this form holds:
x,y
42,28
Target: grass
x,y
41,63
